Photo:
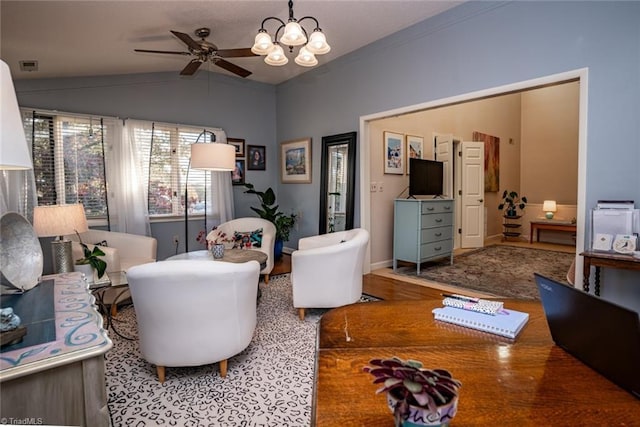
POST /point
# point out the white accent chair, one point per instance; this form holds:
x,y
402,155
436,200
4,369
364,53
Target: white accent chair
x,y
122,252
194,312
251,224
326,270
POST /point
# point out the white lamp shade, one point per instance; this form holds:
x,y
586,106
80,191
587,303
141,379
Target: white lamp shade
x,y
293,35
306,58
318,43
59,220
549,206
276,56
14,151
213,156
262,44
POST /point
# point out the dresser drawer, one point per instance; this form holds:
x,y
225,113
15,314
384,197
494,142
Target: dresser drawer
x,y
437,207
436,249
436,234
437,220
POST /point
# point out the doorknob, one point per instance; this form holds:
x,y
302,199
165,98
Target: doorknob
x,y
481,200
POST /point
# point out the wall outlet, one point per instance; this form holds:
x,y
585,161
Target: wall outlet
x,y
380,187
176,239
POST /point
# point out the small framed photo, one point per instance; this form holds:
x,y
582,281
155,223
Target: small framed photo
x,y
394,153
415,148
237,175
256,157
295,161
238,144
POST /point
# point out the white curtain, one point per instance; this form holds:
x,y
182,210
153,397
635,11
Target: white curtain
x,y
220,197
128,211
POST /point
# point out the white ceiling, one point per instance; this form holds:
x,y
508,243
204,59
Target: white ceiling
x,y
89,38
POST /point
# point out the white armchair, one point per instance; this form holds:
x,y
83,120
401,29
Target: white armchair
x,y
268,236
326,270
194,312
122,252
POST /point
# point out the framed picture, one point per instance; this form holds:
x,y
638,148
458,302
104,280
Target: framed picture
x,y
237,175
239,144
415,148
393,153
256,157
295,161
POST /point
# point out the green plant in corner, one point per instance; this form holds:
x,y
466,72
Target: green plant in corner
x,y
511,202
91,257
269,210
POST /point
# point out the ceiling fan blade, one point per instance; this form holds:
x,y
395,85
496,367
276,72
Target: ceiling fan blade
x,y
231,67
191,67
186,39
235,53
162,51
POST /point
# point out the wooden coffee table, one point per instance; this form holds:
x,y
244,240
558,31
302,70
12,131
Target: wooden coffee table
x,y
230,255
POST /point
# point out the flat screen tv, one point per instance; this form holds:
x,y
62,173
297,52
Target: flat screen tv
x,y
426,177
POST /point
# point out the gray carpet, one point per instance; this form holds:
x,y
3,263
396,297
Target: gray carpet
x,y
500,270
269,384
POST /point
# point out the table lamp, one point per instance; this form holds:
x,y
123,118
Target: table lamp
x,y
58,220
549,207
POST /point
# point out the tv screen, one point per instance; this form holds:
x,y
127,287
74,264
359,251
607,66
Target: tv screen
x,y
425,177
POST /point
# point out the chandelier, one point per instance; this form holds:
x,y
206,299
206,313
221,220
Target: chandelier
x,y
293,35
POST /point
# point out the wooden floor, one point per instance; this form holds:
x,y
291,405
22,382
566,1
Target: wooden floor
x,y
390,288
374,285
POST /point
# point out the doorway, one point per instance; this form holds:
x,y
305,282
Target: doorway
x,y
369,133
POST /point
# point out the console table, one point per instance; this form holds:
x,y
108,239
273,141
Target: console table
x,y
536,226
527,381
605,259
59,378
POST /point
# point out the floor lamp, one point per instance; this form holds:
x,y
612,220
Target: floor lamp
x,y
213,156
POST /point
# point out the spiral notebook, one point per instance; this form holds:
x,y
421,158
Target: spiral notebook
x,y
506,323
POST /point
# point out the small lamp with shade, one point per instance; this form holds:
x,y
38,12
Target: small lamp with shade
x,y
549,207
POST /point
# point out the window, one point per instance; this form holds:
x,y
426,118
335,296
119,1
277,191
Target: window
x,y
165,150
68,159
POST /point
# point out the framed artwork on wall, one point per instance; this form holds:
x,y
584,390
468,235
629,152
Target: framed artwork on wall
x,y
237,175
238,144
295,161
415,148
394,160
256,157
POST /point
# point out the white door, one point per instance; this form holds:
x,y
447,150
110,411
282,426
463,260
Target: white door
x,y
444,154
472,209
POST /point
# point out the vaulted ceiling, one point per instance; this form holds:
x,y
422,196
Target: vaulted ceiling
x,y
89,38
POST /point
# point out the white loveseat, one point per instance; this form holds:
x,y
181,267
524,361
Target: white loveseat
x,y
194,312
248,224
326,270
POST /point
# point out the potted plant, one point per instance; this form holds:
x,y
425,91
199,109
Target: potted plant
x,y
416,396
269,210
90,261
511,201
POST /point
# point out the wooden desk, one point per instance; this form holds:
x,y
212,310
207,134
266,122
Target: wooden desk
x,y
536,226
529,381
605,259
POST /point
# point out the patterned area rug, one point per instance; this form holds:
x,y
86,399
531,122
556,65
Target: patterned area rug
x,y
269,384
500,270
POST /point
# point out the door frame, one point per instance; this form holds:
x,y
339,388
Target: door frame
x,y
581,75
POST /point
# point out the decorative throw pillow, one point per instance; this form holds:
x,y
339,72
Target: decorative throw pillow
x,y
247,239
103,244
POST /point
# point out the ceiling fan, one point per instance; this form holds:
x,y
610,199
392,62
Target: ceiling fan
x,y
204,51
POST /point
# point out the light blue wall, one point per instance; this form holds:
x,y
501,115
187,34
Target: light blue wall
x,y
243,108
476,46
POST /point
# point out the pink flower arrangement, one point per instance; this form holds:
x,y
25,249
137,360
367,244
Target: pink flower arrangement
x,y
216,237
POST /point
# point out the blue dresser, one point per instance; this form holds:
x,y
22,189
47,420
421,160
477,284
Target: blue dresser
x,y
422,230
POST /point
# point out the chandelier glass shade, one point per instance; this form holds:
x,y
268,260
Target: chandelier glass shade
x,y
293,34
